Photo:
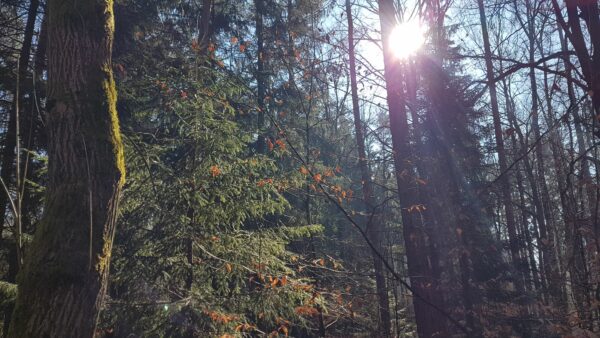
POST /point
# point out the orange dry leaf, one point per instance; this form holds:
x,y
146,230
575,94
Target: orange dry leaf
x,y
303,171
215,171
281,144
303,287
242,47
283,330
220,317
270,145
228,267
234,40
306,311
262,182
417,207
244,327
318,178
421,181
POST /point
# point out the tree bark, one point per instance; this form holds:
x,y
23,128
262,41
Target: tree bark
x,y
64,279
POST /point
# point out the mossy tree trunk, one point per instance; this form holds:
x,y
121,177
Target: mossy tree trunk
x,y
63,281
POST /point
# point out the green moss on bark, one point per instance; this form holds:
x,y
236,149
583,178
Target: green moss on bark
x,y
110,91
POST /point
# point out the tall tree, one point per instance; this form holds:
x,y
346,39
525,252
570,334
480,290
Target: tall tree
x,y
63,281
502,157
430,322
374,223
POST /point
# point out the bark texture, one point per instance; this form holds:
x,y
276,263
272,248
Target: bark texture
x,y
63,281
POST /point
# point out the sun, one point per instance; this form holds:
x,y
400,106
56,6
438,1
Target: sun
x,y
406,39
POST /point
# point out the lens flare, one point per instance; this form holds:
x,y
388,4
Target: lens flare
x,y
406,38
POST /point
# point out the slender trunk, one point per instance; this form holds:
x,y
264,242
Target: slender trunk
x,y
374,229
557,286
12,134
502,158
546,240
204,28
533,270
589,12
290,47
8,155
430,323
535,197
64,279
579,283
260,74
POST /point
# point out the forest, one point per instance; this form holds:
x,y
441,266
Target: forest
x,y
299,168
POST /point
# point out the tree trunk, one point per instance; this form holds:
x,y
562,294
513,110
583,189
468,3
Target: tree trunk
x,y
64,279
502,158
10,140
374,229
430,322
579,283
260,74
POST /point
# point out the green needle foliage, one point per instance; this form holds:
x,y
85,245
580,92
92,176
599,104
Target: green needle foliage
x,y
200,217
